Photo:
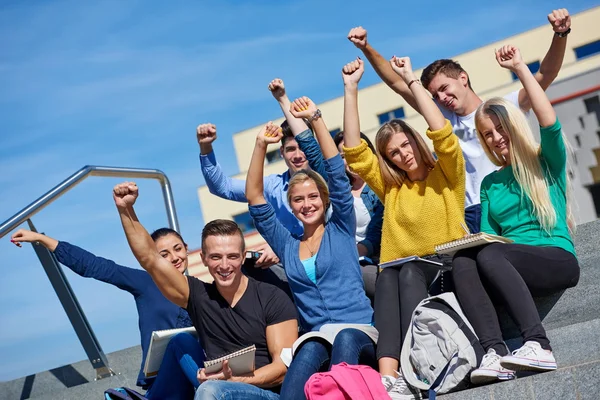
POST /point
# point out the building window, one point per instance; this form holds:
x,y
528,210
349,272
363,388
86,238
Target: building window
x,y
592,105
245,222
335,131
587,50
533,67
390,115
273,156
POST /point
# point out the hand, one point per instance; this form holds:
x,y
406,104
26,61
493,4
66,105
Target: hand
x,y
224,375
303,107
268,257
403,67
24,235
206,133
269,134
358,36
277,88
353,71
509,57
560,20
125,194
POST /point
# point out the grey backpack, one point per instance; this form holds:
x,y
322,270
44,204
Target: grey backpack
x,y
440,349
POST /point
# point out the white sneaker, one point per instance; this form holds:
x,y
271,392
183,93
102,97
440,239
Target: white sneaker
x,y
398,389
530,357
490,370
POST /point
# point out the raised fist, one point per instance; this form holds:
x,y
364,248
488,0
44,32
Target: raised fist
x,y
353,71
270,133
509,57
303,107
277,88
403,67
358,36
125,194
24,235
560,20
206,133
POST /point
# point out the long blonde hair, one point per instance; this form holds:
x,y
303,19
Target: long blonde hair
x,y
392,175
525,161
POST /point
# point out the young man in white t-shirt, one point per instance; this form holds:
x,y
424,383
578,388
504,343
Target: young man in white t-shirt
x,y
450,87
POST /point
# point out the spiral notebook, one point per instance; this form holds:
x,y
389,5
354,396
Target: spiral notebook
x,y
241,362
472,240
158,345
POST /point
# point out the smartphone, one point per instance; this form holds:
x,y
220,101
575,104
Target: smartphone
x,y
253,255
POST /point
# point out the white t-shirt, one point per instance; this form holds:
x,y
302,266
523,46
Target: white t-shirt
x,y
477,164
362,219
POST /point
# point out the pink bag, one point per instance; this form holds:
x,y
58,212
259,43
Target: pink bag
x,y
346,382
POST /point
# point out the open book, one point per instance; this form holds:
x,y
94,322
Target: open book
x,y
328,332
241,362
158,345
472,240
399,261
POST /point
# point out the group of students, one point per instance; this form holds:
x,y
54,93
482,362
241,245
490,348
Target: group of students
x,y
342,198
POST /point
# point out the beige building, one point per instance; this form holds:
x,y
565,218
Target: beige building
x,y
377,104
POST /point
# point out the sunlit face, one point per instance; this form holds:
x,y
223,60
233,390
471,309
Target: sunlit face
x,y
496,139
403,152
306,203
292,155
348,169
449,92
174,250
223,256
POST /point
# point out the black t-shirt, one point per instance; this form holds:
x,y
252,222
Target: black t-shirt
x,y
224,329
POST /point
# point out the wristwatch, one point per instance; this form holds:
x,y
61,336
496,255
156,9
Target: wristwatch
x,y
315,116
563,34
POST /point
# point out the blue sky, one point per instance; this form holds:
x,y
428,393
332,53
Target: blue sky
x,y
124,83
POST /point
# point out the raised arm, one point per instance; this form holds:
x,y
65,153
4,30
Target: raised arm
x,y
304,107
277,88
560,20
84,263
509,57
270,133
358,36
427,108
217,182
351,74
171,283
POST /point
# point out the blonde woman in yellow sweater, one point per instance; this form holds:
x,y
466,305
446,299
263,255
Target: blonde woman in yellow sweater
x,y
424,206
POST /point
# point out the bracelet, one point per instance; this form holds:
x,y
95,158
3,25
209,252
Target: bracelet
x,y
563,34
413,81
315,116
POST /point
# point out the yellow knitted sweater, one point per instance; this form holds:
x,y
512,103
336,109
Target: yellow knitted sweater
x,y
418,215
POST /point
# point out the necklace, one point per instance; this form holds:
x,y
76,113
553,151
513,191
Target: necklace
x,y
312,253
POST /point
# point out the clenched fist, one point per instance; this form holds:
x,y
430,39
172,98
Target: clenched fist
x,y
358,36
277,88
303,107
270,133
403,67
509,57
125,194
560,20
353,71
206,133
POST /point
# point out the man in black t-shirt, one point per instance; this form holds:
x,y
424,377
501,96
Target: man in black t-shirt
x,y
232,313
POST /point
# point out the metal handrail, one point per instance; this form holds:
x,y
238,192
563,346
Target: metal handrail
x,y
78,177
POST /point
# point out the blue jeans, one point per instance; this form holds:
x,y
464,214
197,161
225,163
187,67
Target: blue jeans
x,y
350,345
473,218
224,390
177,377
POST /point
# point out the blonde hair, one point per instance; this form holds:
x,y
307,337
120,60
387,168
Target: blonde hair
x,y
304,175
525,160
392,174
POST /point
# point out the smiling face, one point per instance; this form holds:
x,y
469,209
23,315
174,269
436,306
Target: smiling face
x,y
292,155
223,256
174,250
306,202
451,93
403,152
497,140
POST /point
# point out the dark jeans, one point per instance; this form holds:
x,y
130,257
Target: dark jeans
x,y
513,273
350,345
399,291
473,218
177,376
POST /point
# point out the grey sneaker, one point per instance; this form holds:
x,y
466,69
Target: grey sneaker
x,y
398,389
